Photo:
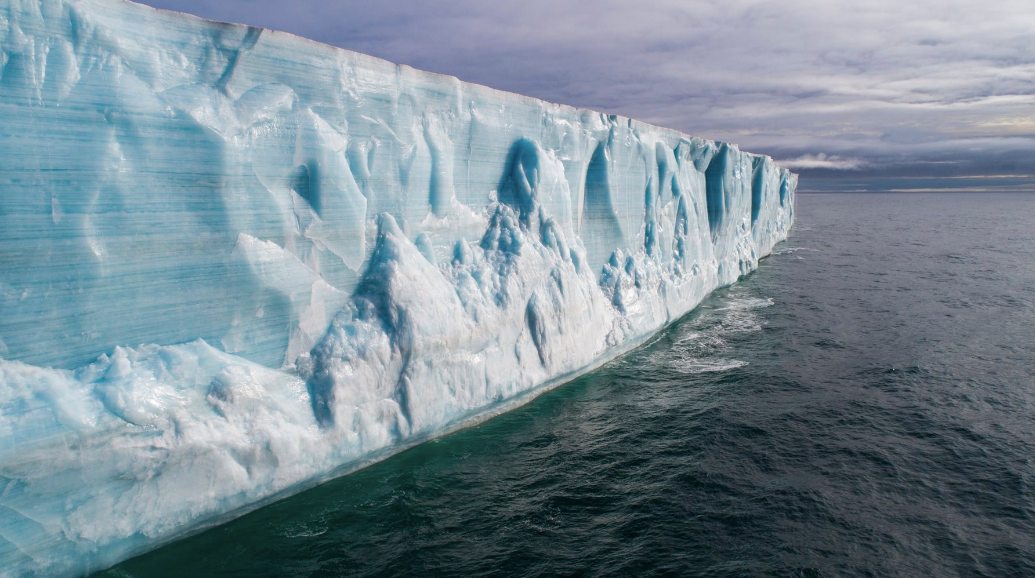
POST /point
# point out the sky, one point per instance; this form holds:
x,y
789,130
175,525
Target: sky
x,y
875,95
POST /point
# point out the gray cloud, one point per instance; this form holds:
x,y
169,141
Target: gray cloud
x,y
890,89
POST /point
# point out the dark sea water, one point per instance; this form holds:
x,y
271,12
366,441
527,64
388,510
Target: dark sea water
x,y
862,405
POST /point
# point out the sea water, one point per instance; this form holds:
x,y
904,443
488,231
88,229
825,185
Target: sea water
x,y
862,405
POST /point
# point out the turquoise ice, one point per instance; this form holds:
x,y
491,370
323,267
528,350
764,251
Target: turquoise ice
x,y
235,263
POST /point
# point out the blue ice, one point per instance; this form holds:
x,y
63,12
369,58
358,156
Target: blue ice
x,y
235,263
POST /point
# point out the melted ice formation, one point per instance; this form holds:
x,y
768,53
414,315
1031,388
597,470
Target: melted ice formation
x,y
235,263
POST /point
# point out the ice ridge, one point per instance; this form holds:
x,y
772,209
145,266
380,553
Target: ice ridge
x,y
235,263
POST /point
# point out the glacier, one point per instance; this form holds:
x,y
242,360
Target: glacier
x,y
235,263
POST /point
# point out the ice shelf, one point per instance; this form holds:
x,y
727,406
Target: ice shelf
x,y
235,263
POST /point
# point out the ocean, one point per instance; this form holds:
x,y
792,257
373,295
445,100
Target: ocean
x,y
862,405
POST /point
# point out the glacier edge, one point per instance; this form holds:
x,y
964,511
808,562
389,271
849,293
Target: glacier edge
x,y
235,262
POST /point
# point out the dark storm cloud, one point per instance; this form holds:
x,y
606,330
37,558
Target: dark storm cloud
x,y
860,94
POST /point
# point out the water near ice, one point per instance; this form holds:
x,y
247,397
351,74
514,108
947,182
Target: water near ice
x,y
880,423
235,263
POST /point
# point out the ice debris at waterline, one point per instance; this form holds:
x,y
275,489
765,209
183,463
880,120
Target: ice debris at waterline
x,y
235,262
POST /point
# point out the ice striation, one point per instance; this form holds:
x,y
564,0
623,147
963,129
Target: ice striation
x,y
235,263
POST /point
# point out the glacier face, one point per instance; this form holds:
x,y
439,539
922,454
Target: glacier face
x,y
235,262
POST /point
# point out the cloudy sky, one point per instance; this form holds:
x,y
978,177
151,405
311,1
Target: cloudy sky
x,y
874,95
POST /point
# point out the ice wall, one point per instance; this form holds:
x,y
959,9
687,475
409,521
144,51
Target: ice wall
x,y
235,262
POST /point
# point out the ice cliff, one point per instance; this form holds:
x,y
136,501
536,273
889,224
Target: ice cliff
x,y
234,263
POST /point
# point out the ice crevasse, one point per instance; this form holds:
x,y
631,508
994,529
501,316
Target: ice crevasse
x,y
235,263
